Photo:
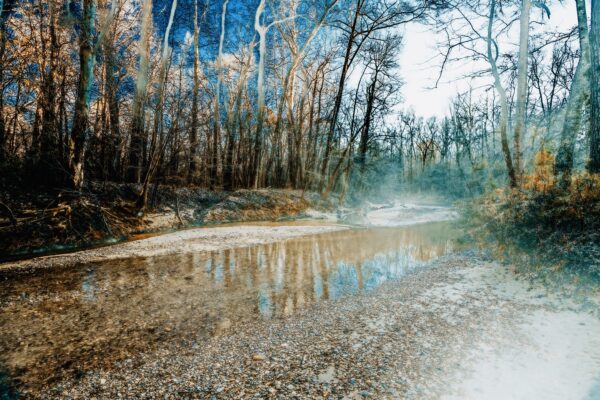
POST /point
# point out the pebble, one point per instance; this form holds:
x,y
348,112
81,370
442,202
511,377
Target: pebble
x,y
308,355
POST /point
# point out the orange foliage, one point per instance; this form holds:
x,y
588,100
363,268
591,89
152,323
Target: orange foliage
x,y
542,178
585,187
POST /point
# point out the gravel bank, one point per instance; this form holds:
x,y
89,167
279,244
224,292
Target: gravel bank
x,y
464,328
181,242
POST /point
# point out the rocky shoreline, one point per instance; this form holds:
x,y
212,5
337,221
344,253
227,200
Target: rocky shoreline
x,y
430,335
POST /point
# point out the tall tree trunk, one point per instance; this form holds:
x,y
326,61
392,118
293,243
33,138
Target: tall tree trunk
x,y
503,97
82,104
214,165
194,128
48,133
63,135
137,126
594,163
365,133
578,93
157,146
340,93
260,86
113,112
15,119
312,136
522,87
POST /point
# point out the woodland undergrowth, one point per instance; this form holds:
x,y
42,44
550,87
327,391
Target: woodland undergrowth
x,y
541,228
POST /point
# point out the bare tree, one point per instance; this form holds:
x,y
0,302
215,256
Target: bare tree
x,y
141,87
522,87
155,144
492,59
594,163
194,124
579,91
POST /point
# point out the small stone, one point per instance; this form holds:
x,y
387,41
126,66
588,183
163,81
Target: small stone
x,y
259,357
102,381
327,376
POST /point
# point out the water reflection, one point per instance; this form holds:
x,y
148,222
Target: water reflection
x,y
60,322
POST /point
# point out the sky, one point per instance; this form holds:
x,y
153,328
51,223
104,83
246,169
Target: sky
x,y
420,72
417,67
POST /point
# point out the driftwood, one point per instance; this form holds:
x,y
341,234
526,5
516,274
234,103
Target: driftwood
x,y
177,211
8,212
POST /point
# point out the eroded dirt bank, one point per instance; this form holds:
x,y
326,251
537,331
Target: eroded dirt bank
x,y
464,328
40,223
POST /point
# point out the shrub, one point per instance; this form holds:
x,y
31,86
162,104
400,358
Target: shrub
x,y
559,226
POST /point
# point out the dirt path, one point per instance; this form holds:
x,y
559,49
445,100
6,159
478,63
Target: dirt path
x,y
463,329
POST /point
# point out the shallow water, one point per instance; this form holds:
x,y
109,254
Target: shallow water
x,y
59,322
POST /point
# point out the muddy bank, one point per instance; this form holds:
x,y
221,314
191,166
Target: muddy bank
x,y
34,224
463,328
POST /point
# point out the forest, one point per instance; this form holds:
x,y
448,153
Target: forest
x,y
289,94
299,94
129,129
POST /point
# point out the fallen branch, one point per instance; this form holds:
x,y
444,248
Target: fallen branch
x,y
177,210
8,211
